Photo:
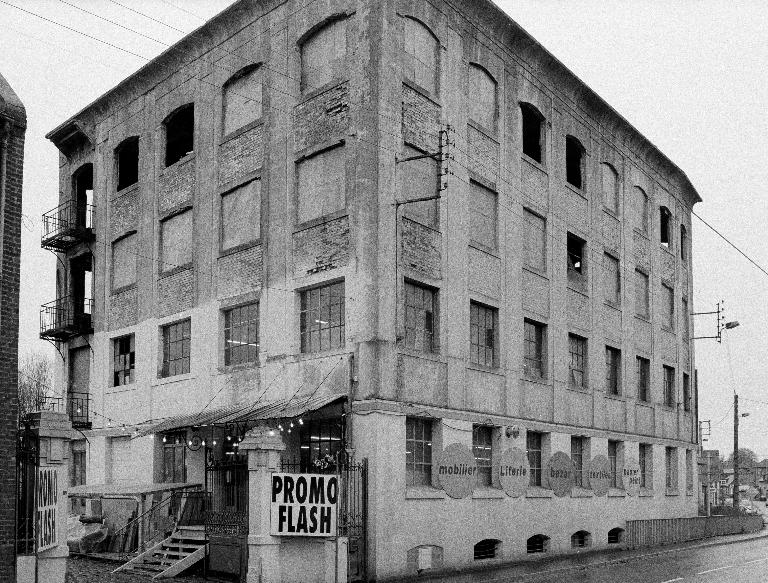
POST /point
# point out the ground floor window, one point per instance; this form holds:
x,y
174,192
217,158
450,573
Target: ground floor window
x,y
615,536
538,543
581,539
487,549
320,441
418,451
174,458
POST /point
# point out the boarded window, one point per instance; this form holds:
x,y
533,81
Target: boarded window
x,y
483,335
240,215
482,97
483,210
421,330
612,370
176,241
668,305
242,99
640,200
177,339
124,262
418,452
535,241
574,162
420,181
420,55
322,320
321,185
642,291
127,159
482,449
179,134
79,370
323,55
533,131
610,188
611,280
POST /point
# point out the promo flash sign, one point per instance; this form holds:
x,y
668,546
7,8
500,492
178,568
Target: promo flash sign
x,y
47,500
304,504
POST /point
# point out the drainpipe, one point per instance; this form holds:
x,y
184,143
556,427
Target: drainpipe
x,y
5,132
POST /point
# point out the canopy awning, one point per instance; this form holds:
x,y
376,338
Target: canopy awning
x,y
243,413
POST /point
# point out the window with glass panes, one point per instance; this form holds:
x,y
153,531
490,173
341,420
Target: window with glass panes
x,y
577,347
533,445
124,359
577,457
176,348
612,370
533,364
318,439
241,334
613,456
670,455
643,372
420,317
645,461
174,457
418,452
482,448
483,332
322,318
669,386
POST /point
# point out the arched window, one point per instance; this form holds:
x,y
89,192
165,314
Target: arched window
x,y
610,188
641,210
179,134
615,536
482,97
420,55
581,539
574,162
683,243
533,131
323,55
489,548
127,161
538,543
665,227
242,98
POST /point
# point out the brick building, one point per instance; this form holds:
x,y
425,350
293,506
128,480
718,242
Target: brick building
x,y
394,228
13,124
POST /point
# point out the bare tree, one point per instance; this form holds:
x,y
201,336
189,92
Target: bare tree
x,y
35,383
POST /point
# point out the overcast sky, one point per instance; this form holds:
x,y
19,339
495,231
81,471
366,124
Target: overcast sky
x,y
690,75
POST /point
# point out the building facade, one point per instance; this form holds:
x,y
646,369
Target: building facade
x,y
13,124
410,229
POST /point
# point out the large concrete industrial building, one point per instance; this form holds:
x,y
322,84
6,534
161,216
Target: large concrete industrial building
x,y
401,230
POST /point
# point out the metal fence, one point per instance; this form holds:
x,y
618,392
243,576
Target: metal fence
x,y
663,531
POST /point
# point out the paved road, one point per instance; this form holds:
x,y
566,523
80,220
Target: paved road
x,y
84,570
744,562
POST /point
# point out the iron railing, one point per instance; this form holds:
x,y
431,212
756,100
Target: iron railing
x,y
78,409
665,531
65,318
67,225
27,460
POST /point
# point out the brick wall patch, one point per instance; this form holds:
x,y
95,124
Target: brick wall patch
x,y
241,155
483,154
321,248
124,215
420,248
321,118
421,121
240,272
176,185
176,293
123,309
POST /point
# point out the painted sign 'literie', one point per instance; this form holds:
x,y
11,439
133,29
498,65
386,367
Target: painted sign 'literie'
x,y
304,504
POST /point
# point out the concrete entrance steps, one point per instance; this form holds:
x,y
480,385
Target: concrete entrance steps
x,y
186,546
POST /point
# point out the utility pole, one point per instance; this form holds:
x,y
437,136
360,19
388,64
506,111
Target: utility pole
x,y
735,452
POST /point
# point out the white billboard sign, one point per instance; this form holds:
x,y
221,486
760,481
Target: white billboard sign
x,y
46,503
304,504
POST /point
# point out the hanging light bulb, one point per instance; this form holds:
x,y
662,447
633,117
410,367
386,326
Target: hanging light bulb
x,y
280,426
79,410
109,423
271,431
229,438
202,443
289,430
214,443
291,423
301,421
190,443
165,439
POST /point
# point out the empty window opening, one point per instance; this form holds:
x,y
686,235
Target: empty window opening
x,y
683,243
538,543
574,162
533,131
615,536
81,288
665,222
179,134
487,549
127,157
581,539
575,253
82,187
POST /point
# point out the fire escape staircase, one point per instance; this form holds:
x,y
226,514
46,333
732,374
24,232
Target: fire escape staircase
x,y
186,546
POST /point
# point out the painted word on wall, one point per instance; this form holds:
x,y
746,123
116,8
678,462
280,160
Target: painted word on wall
x,y
46,501
304,504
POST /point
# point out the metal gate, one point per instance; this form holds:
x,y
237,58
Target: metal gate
x,y
226,518
352,513
27,460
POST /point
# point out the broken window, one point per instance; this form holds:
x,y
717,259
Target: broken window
x,y
176,241
124,360
420,180
611,280
242,99
483,335
535,241
641,210
642,300
179,134
482,97
683,243
321,184
482,215
574,162
533,131
323,55
577,348
665,233
577,271
610,188
82,188
420,55
421,330
612,370
127,158
124,262
241,215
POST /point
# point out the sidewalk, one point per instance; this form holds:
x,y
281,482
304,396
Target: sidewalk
x,y
523,570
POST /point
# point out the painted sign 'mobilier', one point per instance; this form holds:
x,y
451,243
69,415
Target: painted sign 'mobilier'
x,y
304,504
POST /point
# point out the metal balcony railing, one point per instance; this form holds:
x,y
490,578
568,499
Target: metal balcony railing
x,y
66,318
78,409
67,225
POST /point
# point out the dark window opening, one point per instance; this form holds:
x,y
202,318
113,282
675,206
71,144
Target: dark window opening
x,y
179,134
686,392
665,218
124,361
127,155
615,536
320,442
538,543
575,253
82,186
574,161
487,549
533,126
581,539
683,243
81,288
